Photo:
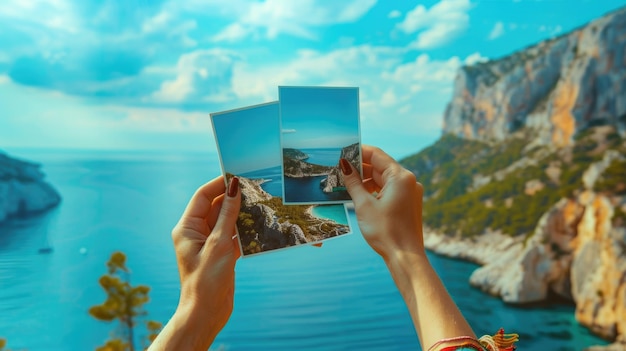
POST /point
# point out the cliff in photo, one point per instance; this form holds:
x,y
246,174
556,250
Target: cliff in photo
x,y
294,165
265,224
23,190
529,178
335,177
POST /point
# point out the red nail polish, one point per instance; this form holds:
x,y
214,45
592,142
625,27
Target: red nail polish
x,y
346,169
233,187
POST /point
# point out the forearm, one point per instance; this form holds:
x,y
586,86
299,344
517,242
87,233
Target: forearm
x,y
434,313
184,332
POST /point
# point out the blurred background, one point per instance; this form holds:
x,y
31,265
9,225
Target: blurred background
x,y
510,112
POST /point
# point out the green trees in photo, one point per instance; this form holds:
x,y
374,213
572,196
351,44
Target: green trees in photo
x,y
124,303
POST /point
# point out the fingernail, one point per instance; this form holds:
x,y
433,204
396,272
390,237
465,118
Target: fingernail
x,y
233,187
345,166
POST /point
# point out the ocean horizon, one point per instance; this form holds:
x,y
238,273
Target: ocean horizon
x,y
337,297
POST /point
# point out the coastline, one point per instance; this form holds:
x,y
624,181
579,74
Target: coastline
x,y
318,212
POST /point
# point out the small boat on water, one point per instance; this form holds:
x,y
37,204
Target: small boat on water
x,y
45,250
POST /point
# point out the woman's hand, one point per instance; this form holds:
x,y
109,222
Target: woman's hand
x,y
388,204
206,252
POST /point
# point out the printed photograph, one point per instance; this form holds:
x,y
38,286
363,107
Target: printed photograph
x,y
319,126
248,142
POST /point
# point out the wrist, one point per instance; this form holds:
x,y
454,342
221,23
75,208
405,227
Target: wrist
x,y
198,330
407,261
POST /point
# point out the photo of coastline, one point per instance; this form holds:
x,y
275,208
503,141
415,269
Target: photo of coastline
x,y
319,126
248,144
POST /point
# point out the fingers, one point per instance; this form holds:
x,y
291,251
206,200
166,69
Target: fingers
x,y
371,186
354,184
367,170
200,204
227,218
216,207
383,165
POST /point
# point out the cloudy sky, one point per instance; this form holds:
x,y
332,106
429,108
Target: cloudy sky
x,y
145,74
313,117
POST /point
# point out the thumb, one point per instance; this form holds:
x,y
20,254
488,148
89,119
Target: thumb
x,y
227,219
354,183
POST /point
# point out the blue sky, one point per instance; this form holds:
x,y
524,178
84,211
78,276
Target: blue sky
x,y
144,75
313,117
248,138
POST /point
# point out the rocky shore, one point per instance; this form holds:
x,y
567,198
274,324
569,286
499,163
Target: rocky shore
x,y
266,224
557,194
23,189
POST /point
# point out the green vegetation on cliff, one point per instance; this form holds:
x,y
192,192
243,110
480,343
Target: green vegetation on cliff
x,y
470,186
294,154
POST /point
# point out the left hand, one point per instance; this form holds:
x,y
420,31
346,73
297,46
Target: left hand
x,y
206,252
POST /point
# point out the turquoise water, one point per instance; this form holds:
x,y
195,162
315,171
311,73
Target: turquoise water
x,y
335,213
338,297
307,189
323,156
272,175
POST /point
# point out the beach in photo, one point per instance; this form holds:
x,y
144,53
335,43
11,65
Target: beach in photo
x,y
319,126
248,142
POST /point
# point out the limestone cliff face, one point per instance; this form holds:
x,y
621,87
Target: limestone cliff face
x,y
295,167
266,224
577,251
251,191
23,190
557,87
529,178
335,177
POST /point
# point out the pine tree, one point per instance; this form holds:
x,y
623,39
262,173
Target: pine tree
x,y
123,303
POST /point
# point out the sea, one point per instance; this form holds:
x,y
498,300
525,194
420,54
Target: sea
x,y
274,186
337,297
308,189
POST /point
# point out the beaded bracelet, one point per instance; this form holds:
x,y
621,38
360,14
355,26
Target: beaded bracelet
x,y
468,341
498,342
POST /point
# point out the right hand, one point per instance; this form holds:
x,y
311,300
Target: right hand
x,y
388,204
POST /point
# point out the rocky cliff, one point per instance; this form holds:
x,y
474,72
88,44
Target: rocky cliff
x,y
295,167
557,87
335,177
266,224
529,178
23,190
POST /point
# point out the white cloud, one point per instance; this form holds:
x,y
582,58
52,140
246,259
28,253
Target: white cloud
x,y
52,14
288,131
274,17
552,30
201,75
4,79
394,14
389,98
412,94
438,25
158,120
497,31
474,58
233,32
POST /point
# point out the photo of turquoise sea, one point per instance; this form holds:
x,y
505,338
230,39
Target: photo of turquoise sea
x,y
318,126
248,143
272,183
307,189
338,297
